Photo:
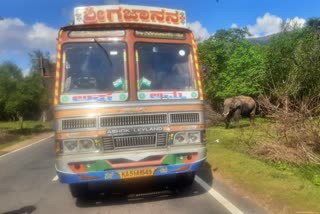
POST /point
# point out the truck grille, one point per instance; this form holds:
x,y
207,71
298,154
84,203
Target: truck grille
x,y
78,123
132,120
184,118
161,139
129,120
135,141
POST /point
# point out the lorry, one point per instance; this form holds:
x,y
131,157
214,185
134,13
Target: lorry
x,y
128,99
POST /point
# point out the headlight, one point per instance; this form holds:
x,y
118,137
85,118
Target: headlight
x,y
187,137
86,145
70,146
180,138
194,137
80,145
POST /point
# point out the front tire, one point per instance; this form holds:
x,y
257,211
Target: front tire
x,y
79,190
185,179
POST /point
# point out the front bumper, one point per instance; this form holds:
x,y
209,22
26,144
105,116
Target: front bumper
x,y
110,175
101,168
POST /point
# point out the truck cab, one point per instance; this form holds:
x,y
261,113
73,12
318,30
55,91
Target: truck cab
x,y
128,98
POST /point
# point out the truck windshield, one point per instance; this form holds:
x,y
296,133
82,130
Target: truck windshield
x,y
164,67
93,68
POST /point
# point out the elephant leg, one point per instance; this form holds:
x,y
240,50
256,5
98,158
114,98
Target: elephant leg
x,y
251,117
236,117
227,122
236,120
251,121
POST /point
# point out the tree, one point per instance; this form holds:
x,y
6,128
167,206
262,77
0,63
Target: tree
x,y
10,76
307,66
215,53
213,56
231,35
24,102
25,97
46,83
35,57
293,64
287,68
313,24
281,81
245,72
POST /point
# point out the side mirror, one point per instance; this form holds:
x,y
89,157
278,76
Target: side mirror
x,y
44,68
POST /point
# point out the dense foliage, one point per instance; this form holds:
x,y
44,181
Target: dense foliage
x,y
285,67
25,97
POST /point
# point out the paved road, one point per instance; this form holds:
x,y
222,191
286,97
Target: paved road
x,y
27,185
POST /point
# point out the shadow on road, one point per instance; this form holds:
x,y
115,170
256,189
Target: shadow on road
x,y
205,173
142,190
23,210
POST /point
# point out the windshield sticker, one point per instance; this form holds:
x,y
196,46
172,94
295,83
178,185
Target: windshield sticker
x,y
85,98
123,97
118,83
168,95
145,82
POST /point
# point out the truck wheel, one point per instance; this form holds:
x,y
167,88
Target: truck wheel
x,y
185,179
79,191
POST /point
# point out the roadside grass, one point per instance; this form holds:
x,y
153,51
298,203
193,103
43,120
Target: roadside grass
x,y
277,185
10,132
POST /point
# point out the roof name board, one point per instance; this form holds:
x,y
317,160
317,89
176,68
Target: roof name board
x,y
129,14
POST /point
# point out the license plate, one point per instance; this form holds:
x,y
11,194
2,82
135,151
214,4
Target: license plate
x,y
136,173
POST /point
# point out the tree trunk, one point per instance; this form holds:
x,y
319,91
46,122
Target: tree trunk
x,y
21,122
286,104
44,116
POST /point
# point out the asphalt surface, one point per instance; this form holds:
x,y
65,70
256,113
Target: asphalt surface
x,y
28,185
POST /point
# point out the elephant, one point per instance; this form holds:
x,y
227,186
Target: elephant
x,y
235,107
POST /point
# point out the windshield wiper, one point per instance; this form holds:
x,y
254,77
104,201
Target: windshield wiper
x,y
104,50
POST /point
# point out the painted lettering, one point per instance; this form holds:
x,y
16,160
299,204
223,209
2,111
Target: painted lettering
x,y
157,16
130,15
101,16
147,129
143,15
111,14
167,95
92,98
118,131
114,15
89,16
135,130
173,18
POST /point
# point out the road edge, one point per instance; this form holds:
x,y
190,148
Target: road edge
x,y
25,144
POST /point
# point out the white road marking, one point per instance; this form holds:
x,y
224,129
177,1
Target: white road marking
x,y
55,178
222,200
39,141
